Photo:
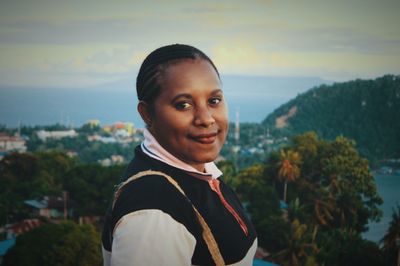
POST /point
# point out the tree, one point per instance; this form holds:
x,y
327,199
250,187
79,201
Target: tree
x,y
299,250
56,244
337,188
230,174
20,179
390,241
29,176
262,201
91,186
288,168
343,248
334,199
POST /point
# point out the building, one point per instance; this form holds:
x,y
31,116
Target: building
x,y
44,135
50,207
101,139
122,129
16,229
5,245
11,232
114,160
93,123
11,143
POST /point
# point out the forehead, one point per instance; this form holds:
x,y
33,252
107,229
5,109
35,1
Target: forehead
x,y
189,75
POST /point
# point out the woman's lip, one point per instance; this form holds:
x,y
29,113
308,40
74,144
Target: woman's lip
x,y
204,138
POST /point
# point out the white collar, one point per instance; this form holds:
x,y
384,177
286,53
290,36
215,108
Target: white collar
x,y
152,148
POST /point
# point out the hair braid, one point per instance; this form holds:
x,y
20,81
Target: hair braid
x,y
153,66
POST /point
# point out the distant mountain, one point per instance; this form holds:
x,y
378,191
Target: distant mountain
x,y
367,111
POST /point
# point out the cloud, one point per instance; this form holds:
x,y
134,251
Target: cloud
x,y
101,39
333,39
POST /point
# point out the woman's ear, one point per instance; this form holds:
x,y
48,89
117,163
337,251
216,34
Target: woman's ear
x,y
144,111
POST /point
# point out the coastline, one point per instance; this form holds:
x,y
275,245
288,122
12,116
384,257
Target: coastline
x,y
387,186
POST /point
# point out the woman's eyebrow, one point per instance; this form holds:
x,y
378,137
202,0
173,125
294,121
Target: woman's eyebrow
x,y
189,96
216,91
182,95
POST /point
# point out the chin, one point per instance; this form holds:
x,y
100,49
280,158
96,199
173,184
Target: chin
x,y
207,159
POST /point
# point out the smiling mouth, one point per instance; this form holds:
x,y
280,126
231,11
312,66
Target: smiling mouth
x,y
204,138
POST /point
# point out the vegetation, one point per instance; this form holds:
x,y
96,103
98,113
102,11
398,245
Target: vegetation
x,y
87,151
289,170
391,245
32,176
56,244
331,198
367,111
310,198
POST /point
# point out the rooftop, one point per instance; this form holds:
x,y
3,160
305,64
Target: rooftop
x,y
5,245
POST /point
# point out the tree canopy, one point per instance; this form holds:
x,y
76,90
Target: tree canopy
x,y
331,198
35,175
367,111
56,244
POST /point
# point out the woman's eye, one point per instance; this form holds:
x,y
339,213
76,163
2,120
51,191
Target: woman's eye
x,y
215,101
182,105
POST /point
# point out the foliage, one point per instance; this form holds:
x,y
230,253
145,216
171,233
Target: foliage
x,y
300,250
91,186
367,111
56,244
255,189
391,238
27,176
87,151
89,128
340,247
289,170
336,185
229,173
33,176
251,135
331,198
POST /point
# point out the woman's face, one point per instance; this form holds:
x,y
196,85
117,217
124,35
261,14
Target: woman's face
x,y
190,118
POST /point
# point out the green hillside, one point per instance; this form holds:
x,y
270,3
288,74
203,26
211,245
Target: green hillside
x,y
367,111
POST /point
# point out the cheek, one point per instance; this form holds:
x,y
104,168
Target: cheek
x,y
222,118
172,125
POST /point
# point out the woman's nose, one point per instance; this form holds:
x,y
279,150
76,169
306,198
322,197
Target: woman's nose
x,y
204,117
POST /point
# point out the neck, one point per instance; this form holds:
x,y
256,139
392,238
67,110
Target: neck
x,y
199,167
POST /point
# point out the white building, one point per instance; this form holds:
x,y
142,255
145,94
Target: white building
x,y
44,135
12,143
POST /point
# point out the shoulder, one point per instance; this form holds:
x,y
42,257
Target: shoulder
x,y
153,192
147,191
149,231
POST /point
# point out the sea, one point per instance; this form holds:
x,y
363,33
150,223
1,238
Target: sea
x,y
388,188
252,97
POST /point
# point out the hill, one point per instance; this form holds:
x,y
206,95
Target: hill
x,y
367,111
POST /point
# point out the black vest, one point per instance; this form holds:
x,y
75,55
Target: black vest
x,y
155,192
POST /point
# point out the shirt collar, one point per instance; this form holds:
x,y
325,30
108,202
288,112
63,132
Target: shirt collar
x,y
152,148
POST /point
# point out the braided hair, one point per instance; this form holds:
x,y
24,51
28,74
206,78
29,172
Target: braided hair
x,y
154,65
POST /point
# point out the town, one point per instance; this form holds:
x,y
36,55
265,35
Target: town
x,y
106,146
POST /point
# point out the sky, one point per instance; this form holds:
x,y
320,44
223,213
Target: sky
x,y
51,43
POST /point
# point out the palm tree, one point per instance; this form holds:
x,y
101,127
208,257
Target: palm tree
x,y
391,240
289,170
300,249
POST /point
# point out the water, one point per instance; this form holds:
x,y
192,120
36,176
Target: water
x,y
253,97
388,188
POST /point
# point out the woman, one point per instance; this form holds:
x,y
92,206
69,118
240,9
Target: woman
x,y
172,209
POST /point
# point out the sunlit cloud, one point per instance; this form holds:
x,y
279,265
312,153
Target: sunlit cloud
x,y
43,41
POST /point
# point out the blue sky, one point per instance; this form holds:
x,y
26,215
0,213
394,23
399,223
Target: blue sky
x,y
80,43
